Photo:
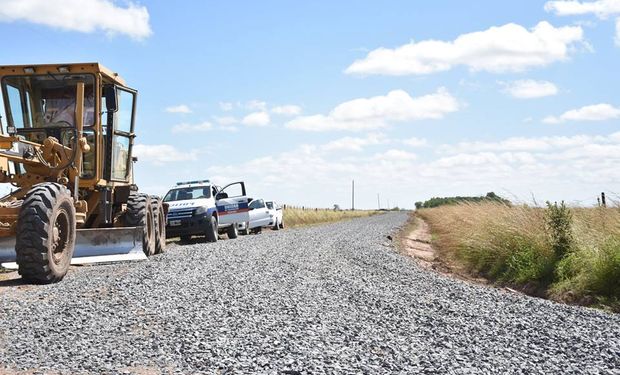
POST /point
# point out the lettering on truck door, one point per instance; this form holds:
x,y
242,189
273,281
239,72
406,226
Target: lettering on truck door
x,y
232,204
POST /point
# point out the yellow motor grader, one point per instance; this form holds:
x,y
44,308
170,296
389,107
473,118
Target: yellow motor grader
x,y
67,151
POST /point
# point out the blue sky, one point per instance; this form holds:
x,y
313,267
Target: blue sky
x,y
412,99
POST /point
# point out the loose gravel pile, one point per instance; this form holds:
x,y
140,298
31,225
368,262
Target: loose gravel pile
x,y
324,299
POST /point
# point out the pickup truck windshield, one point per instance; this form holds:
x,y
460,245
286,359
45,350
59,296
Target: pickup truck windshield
x,y
182,194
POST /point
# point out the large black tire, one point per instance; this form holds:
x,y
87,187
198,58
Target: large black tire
x,y
160,224
232,231
246,230
211,229
45,233
276,225
140,214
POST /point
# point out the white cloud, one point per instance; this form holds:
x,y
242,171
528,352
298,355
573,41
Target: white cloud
x,y
394,155
192,128
226,120
572,168
256,119
377,112
596,112
256,105
226,106
354,144
507,48
287,110
520,144
181,108
601,8
415,142
162,154
85,16
529,89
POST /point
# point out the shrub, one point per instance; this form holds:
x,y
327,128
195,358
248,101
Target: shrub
x,y
559,227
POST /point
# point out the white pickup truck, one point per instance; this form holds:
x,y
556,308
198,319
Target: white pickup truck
x,y
202,208
262,215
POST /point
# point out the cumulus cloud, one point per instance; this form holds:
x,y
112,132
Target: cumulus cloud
x,y
530,89
85,16
256,119
596,112
571,168
507,48
226,106
379,111
192,128
355,144
162,154
181,108
601,8
415,142
287,110
256,105
226,120
521,144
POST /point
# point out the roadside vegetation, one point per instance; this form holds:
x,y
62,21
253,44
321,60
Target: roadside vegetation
x,y
567,254
297,216
436,202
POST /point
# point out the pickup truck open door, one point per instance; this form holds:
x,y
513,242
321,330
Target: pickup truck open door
x,y
232,204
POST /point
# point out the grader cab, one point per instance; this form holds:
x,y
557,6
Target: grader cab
x,y
67,151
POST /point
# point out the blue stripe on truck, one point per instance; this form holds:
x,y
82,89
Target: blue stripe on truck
x,y
232,208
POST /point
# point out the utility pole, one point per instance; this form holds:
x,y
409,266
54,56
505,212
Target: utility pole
x,y
352,195
378,202
603,201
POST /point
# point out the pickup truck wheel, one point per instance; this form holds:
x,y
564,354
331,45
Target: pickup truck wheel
x,y
281,225
211,233
232,231
276,225
45,234
245,231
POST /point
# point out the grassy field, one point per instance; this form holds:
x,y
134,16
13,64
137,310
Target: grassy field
x,y
296,216
567,254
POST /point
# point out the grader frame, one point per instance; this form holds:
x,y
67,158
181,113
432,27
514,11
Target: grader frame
x,y
68,151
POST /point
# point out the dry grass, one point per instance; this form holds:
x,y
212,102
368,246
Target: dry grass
x,y
296,216
513,245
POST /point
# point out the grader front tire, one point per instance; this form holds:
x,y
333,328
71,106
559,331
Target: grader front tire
x,y
45,234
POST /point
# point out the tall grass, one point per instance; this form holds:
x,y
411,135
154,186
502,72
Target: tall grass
x,y
571,255
293,216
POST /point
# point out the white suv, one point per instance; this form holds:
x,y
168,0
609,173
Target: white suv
x,y
276,214
262,215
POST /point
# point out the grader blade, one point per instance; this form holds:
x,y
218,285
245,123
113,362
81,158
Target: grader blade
x,y
98,245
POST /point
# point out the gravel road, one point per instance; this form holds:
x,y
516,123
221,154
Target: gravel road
x,y
326,299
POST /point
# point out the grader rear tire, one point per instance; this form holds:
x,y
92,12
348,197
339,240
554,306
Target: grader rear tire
x,y
140,214
160,224
45,234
